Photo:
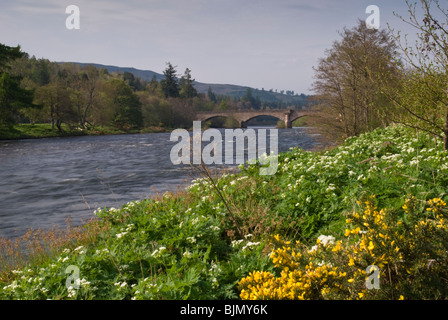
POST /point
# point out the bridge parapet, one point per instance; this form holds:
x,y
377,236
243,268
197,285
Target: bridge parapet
x,y
242,116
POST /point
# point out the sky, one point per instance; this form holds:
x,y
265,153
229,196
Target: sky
x,y
270,44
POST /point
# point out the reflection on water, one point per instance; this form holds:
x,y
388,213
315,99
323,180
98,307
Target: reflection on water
x,y
45,181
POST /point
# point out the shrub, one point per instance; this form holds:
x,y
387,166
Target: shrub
x,y
408,248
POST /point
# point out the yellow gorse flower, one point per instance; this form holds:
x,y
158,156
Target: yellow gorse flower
x,y
338,268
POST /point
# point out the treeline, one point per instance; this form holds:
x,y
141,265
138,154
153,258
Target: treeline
x,y
86,97
372,78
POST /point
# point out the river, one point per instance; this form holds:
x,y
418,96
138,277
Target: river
x,y
45,181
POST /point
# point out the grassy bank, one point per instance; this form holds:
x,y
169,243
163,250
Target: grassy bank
x,y
217,237
44,130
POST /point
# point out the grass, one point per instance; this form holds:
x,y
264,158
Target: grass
x,y
198,243
38,246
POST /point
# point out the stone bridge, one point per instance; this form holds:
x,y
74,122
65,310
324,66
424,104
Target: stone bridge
x,y
242,116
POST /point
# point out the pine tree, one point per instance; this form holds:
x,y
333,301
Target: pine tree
x,y
170,85
187,89
211,96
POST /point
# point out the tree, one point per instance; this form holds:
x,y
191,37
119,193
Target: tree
x,y
8,54
187,90
155,110
211,96
123,105
13,97
155,88
249,99
349,81
84,92
422,95
41,73
55,100
170,84
132,81
46,97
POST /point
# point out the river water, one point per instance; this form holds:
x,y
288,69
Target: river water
x,y
45,181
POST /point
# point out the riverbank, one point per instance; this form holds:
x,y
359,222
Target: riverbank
x,y
44,130
202,242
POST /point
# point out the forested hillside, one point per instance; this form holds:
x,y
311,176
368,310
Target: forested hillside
x,y
79,98
272,98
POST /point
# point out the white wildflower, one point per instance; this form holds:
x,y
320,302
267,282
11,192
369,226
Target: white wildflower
x,y
250,244
158,252
71,292
191,239
236,242
84,282
326,239
120,235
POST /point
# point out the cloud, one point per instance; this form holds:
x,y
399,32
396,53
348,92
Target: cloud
x,y
260,43
34,8
303,7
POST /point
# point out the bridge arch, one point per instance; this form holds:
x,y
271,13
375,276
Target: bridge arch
x,y
227,117
216,116
297,116
246,120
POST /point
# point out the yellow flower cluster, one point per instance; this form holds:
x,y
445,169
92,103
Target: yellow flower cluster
x,y
285,256
396,244
436,205
379,242
313,282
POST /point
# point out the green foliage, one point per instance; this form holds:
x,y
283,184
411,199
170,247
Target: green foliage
x,y
421,97
349,82
313,189
12,96
12,99
170,85
405,247
422,101
7,54
186,85
126,105
85,99
187,245
144,256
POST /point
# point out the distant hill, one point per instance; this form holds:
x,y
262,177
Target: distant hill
x,y
231,90
146,75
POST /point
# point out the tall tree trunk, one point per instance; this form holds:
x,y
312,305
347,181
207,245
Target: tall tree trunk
x,y
445,125
445,130
52,116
